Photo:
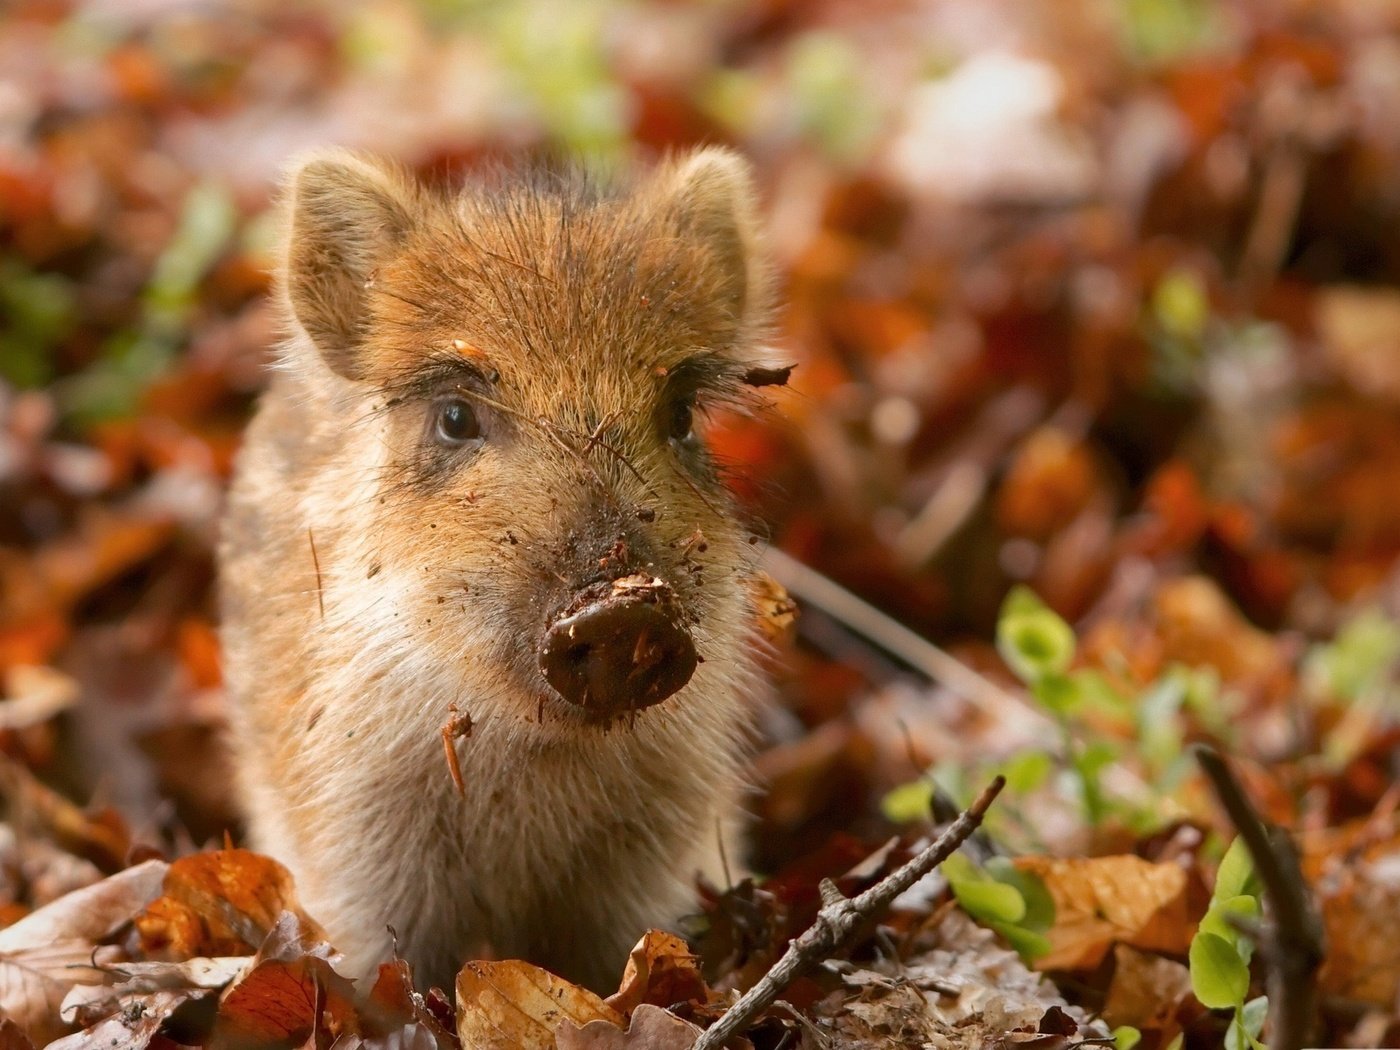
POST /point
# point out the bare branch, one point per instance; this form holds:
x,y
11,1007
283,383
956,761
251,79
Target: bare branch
x,y
1292,944
839,919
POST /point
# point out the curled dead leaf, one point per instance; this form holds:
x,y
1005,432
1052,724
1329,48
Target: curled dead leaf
x,y
661,970
224,902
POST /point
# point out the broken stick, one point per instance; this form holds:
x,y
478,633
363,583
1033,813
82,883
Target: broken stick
x,y
839,918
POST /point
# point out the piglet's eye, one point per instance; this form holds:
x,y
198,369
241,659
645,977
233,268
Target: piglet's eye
x,y
456,423
681,424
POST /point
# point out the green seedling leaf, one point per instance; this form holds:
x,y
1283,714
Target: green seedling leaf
x,y
1181,305
1029,944
909,803
1235,876
1125,1037
1032,639
1057,693
1365,652
980,895
1027,771
1219,977
1244,1030
1217,921
1039,905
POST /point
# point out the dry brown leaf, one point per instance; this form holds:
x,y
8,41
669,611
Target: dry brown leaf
x,y
515,1006
86,1004
1102,901
395,1018
661,970
220,903
652,1028
286,997
1360,900
12,1037
1146,992
1199,625
46,953
101,837
133,1025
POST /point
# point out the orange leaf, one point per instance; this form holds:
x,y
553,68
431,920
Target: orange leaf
x,y
223,902
1102,901
661,971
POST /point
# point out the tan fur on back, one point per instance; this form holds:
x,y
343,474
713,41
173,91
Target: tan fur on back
x,y
372,581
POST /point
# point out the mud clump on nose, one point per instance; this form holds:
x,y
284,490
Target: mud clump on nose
x,y
619,646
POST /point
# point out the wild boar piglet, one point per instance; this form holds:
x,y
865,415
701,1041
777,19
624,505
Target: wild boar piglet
x,y
475,488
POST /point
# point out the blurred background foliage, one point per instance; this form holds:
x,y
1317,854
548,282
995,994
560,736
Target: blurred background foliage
x,y
1095,306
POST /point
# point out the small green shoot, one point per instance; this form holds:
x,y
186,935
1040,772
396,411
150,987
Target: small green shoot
x,y
1220,952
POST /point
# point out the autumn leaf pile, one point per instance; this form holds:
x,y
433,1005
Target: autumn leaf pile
x,y
1095,311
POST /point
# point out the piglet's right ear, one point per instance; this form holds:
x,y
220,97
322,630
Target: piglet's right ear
x,y
348,215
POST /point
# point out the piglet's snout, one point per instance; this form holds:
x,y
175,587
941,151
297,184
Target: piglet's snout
x,y
619,646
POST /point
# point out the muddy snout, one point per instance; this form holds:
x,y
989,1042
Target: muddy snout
x,y
619,646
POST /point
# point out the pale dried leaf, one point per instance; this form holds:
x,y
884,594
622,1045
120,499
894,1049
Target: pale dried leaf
x,y
144,978
46,953
134,1024
515,1006
652,1028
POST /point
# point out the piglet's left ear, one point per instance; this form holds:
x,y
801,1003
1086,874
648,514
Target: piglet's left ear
x,y
710,196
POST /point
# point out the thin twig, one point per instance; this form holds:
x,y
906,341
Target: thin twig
x,y
858,615
1292,944
838,920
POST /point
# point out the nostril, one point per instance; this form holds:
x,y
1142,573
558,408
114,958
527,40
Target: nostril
x,y
622,646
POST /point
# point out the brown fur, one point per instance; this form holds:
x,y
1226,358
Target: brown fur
x,y
574,320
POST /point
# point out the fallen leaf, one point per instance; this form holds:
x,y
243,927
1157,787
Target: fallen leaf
x,y
512,1005
1359,895
44,954
223,902
1102,901
85,1004
286,997
661,970
652,1028
102,837
134,1024
1146,992
395,1017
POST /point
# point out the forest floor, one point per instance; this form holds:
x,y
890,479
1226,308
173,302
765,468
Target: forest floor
x,y
1095,312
